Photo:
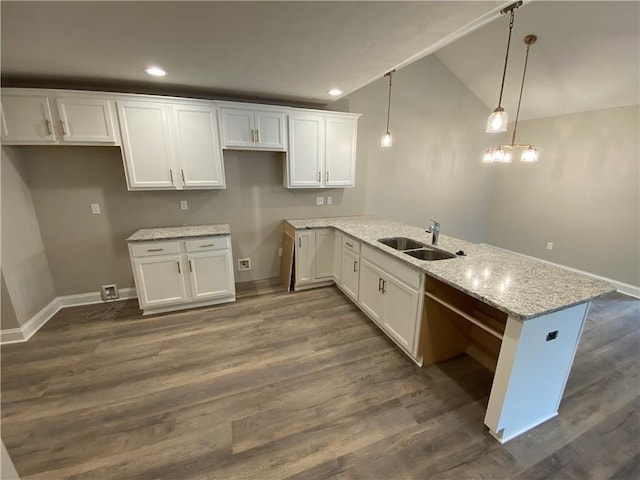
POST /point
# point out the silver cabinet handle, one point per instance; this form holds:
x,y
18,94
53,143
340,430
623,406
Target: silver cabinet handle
x,y
190,266
257,136
154,249
48,124
327,177
379,284
171,175
64,129
208,245
384,285
319,176
179,269
348,244
355,266
182,172
299,242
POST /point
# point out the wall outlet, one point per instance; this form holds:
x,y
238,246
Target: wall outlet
x,y
329,201
109,292
95,208
279,252
549,245
319,200
184,205
244,264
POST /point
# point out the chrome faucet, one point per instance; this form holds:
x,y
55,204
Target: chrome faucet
x,y
434,230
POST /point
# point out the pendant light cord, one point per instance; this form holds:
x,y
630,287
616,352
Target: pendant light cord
x,y
506,57
390,74
524,73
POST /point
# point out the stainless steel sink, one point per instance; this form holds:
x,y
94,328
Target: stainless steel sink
x,y
401,243
430,254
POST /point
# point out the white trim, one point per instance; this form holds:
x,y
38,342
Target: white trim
x,y
625,288
35,323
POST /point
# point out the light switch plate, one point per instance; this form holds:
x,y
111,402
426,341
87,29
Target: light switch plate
x,y
184,205
95,208
329,201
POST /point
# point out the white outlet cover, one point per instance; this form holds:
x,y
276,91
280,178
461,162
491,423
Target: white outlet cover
x,y
319,200
329,201
95,208
550,246
184,205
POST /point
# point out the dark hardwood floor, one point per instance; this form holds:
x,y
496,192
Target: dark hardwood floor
x,y
297,385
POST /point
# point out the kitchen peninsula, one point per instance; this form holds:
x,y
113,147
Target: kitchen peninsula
x,y
518,316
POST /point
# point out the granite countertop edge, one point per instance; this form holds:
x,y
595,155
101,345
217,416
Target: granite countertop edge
x,y
528,271
177,233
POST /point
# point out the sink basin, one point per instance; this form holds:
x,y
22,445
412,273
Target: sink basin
x,y
401,243
430,254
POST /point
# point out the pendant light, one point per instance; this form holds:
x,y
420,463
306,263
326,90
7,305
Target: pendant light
x,y
497,121
387,140
504,153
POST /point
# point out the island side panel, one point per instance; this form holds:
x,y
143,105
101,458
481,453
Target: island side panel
x,y
533,367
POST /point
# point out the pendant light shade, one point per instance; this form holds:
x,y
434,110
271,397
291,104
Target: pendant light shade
x,y
504,153
387,139
498,119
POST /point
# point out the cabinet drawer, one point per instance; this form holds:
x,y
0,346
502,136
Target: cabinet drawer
x,y
207,243
393,266
147,249
351,244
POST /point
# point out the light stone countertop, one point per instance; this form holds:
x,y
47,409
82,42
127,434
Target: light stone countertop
x,y
168,233
515,284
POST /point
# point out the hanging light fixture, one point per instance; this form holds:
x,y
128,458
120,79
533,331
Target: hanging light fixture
x,y
504,153
497,121
387,140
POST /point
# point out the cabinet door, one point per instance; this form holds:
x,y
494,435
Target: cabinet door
x,y
270,130
237,128
211,274
306,150
324,254
160,280
197,148
86,120
27,120
146,145
337,256
340,161
401,312
371,294
305,257
350,272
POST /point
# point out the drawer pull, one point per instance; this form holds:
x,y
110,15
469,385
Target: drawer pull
x,y
348,244
208,245
155,249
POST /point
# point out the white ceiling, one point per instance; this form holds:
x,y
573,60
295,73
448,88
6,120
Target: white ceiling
x,y
293,51
587,57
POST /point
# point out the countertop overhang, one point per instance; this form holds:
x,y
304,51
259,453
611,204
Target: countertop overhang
x,y
174,233
515,284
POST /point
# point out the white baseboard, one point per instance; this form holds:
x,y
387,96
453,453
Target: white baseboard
x,y
35,323
625,288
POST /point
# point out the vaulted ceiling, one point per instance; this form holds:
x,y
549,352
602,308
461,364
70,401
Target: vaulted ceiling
x,y
586,56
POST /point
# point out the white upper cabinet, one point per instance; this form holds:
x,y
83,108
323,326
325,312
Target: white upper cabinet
x,y
30,118
146,144
322,150
197,147
306,150
86,120
170,146
26,119
248,128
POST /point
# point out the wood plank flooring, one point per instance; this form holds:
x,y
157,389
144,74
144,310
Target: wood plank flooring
x,y
297,385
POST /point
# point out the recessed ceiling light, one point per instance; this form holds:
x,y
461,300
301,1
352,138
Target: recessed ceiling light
x,y
334,92
155,71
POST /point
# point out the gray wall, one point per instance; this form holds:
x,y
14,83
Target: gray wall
x,y
433,169
28,285
86,251
583,194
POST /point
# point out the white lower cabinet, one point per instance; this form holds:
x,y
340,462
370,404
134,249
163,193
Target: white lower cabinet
x,y
313,257
350,267
391,295
176,274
